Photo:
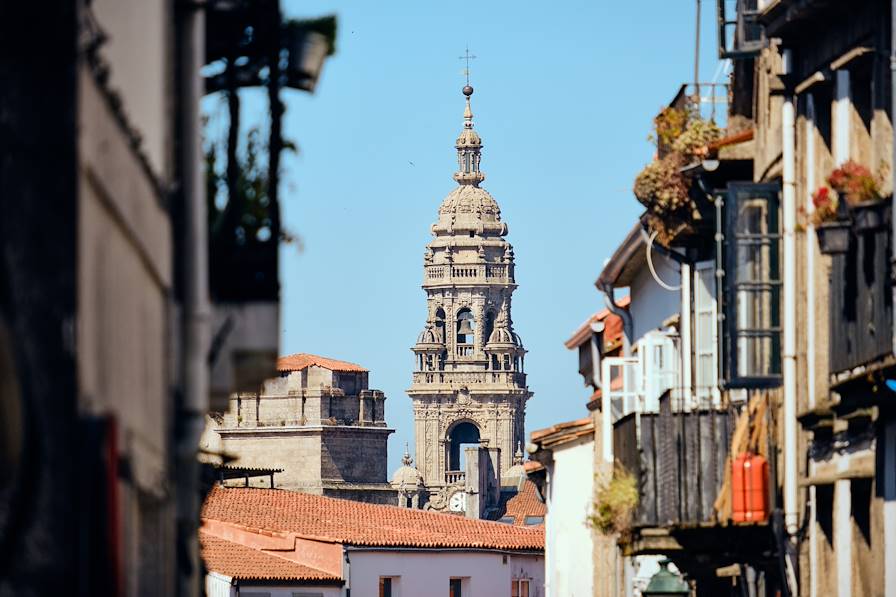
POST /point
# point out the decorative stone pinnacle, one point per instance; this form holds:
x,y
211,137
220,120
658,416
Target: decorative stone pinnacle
x,y
406,460
518,456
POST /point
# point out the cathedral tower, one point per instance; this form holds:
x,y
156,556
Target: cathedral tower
x,y
469,384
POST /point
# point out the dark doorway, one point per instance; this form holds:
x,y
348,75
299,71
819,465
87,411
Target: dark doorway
x,y
463,434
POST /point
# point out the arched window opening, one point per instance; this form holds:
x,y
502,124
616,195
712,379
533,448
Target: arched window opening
x,y
489,325
495,365
466,327
443,356
462,435
440,324
507,362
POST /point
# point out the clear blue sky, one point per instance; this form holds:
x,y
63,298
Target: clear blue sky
x,y
565,94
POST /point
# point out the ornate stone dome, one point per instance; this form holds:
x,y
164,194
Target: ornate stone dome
x,y
516,473
407,475
429,336
468,138
470,208
504,336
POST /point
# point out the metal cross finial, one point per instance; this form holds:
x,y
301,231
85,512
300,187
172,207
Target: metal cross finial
x,y
467,57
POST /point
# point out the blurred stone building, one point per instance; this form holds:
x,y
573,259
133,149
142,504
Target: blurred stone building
x,y
106,311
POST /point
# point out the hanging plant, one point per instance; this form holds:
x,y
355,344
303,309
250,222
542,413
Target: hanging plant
x,y
693,141
615,503
661,187
668,125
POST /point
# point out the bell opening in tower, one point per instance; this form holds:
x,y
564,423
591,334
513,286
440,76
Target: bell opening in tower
x,y
462,435
466,327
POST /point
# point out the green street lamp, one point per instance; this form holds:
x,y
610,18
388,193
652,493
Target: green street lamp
x,y
666,583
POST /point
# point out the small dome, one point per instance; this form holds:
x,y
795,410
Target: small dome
x,y
468,138
429,335
516,474
407,475
501,335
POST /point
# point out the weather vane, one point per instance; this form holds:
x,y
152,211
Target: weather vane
x,y
467,57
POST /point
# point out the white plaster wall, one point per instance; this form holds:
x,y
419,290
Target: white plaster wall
x,y
217,585
422,573
651,303
248,590
569,548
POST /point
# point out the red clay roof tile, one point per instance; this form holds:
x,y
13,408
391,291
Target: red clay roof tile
x,y
613,330
357,523
525,503
297,362
245,563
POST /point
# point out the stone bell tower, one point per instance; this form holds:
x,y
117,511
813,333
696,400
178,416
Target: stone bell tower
x,y
469,385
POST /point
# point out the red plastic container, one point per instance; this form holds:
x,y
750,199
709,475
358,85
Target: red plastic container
x,y
749,488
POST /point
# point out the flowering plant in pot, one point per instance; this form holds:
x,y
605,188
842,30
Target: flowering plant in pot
x,y
860,190
661,187
831,229
693,142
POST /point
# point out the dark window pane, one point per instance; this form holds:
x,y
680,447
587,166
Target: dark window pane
x,y
752,289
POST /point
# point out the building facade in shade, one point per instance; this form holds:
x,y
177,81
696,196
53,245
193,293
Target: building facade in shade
x,y
469,385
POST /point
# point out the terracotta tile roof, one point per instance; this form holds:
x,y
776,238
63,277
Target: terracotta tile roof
x,y
357,523
530,466
297,362
245,563
613,329
563,432
525,503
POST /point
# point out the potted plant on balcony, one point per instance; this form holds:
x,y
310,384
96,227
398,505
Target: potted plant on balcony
x,y
856,185
831,228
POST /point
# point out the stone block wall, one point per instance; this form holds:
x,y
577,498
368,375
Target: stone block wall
x,y
296,451
363,493
354,454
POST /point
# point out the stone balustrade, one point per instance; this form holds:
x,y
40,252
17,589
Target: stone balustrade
x,y
474,272
452,477
470,377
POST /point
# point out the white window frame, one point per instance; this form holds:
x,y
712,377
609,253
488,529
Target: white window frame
x,y
628,398
659,357
706,357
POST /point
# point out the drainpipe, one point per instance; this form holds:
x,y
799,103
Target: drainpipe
x,y
606,421
196,315
791,504
810,331
623,314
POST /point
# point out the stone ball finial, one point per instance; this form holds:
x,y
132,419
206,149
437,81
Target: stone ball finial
x,y
467,90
